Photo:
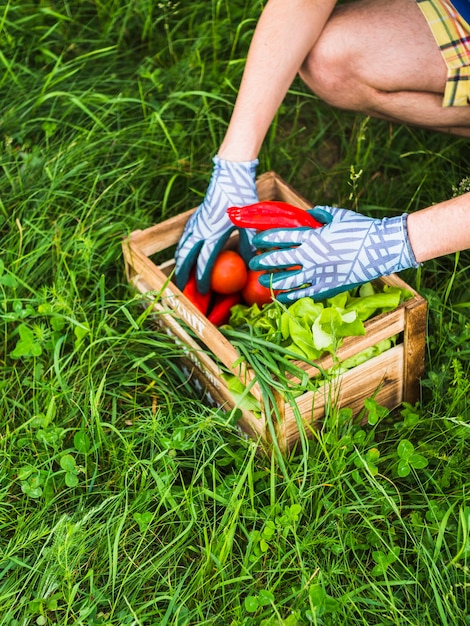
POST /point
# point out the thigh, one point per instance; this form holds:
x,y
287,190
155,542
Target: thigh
x,y
387,45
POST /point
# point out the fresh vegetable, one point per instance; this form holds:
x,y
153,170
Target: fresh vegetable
x,y
229,273
365,355
241,394
254,291
271,214
220,311
273,339
231,284
309,329
200,301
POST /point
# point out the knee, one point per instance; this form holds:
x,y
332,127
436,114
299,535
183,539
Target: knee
x,y
330,73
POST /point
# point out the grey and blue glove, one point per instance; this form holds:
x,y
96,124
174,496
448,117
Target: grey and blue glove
x,y
233,183
350,249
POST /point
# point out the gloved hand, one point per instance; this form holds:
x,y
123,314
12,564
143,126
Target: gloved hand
x,y
350,249
207,230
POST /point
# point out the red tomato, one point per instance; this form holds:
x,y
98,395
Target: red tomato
x,y
228,273
253,291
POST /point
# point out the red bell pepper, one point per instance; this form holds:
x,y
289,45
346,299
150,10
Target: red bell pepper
x,y
200,301
220,312
271,214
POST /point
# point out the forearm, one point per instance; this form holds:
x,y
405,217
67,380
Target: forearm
x,y
285,34
440,229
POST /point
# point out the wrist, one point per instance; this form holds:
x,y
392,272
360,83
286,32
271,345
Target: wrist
x,y
239,148
406,236
237,155
248,164
396,229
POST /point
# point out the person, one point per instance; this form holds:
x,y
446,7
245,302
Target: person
x,y
405,61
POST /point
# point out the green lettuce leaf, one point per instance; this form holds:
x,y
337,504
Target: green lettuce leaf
x,y
244,399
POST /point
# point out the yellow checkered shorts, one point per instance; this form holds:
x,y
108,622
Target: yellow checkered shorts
x,y
452,34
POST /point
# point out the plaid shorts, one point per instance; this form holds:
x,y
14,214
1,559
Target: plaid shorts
x,y
452,34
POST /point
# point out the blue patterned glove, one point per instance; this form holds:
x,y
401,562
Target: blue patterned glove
x,y
350,249
207,230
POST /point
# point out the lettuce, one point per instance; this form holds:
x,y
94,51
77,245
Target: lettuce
x,y
308,328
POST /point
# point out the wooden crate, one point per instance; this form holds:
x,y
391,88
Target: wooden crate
x,y
391,378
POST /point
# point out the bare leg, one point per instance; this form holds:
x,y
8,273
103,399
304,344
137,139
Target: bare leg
x,y
379,57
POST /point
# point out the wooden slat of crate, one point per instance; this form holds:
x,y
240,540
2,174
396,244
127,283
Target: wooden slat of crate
x,y
380,378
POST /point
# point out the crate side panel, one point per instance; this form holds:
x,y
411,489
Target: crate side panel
x,y
385,326
266,186
415,350
172,298
285,192
202,368
380,377
219,395
393,280
160,236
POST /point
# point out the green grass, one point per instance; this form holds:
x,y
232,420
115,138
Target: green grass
x,y
123,499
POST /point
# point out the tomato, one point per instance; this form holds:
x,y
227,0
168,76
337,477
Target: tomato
x,y
229,273
253,292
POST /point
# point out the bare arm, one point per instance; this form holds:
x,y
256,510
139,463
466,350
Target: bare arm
x,y
440,229
286,32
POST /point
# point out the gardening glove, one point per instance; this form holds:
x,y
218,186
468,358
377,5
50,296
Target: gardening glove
x,y
207,230
348,250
